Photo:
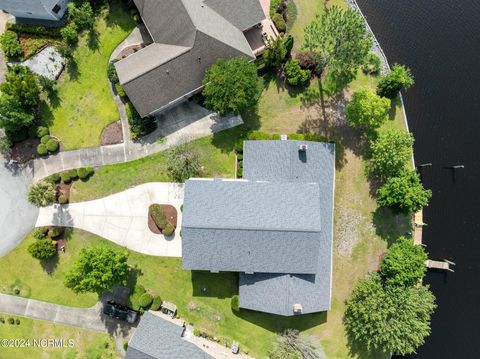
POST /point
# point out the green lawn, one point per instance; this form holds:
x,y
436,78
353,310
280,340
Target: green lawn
x,y
84,105
78,343
115,178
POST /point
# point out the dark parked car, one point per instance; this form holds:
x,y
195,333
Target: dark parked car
x,y
120,312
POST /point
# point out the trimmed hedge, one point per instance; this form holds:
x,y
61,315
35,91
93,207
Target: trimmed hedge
x,y
235,303
42,149
120,90
168,230
42,131
43,31
158,216
156,303
279,22
45,139
62,199
68,176
82,173
52,145
258,135
145,300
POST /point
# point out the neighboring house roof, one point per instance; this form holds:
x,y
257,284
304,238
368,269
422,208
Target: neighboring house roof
x,y
279,217
189,36
250,226
35,9
157,338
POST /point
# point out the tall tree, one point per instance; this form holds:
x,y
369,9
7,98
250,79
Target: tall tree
x,y
97,269
21,83
400,78
404,263
290,345
367,110
390,152
390,318
231,85
340,41
13,116
404,193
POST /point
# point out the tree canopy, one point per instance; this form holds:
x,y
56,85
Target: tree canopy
x,y
400,78
275,52
390,318
404,263
290,345
404,193
22,84
183,162
231,85
81,15
97,269
390,152
10,44
367,110
13,117
340,41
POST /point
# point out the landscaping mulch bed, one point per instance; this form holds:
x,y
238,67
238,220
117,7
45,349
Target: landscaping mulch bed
x,y
112,134
170,213
64,188
25,150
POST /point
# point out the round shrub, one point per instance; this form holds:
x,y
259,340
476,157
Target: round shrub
x,y
234,303
42,131
295,75
65,176
279,22
62,199
42,149
11,320
240,172
42,249
40,232
145,300
45,139
372,64
55,178
90,170
156,303
82,173
52,145
2,320
158,216
55,232
168,230
17,321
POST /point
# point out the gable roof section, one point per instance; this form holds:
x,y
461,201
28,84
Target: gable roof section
x,y
243,14
250,226
281,161
157,338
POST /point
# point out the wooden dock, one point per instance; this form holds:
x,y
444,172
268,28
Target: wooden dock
x,y
441,265
418,227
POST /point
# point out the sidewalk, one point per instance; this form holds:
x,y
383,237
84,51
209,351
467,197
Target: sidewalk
x,y
185,122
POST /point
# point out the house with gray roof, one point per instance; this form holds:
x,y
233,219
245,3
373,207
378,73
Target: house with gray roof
x,y
274,226
49,10
157,338
188,36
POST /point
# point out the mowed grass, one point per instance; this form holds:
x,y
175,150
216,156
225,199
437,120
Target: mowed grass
x,y
119,177
77,343
84,105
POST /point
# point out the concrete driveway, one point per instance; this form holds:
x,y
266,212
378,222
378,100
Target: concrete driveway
x,y
122,218
17,215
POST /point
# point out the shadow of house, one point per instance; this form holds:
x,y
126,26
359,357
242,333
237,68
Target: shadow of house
x,y
218,285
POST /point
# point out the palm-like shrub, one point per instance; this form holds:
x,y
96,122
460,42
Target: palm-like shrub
x,y
42,194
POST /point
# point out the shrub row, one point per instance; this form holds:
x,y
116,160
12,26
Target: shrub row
x,y
19,28
141,299
47,145
139,126
10,320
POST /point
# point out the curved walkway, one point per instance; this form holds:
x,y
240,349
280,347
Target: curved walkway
x,y
185,122
122,218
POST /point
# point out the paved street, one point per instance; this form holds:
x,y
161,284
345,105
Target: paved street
x,y
123,218
17,215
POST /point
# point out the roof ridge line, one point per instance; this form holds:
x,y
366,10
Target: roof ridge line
x,y
254,229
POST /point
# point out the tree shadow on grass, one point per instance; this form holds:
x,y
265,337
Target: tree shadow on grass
x,y
93,39
390,225
46,114
72,69
50,265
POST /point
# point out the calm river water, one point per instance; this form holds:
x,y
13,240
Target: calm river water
x,y
440,41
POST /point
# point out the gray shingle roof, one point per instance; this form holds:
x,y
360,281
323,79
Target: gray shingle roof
x,y
250,226
159,339
198,35
243,14
281,161
35,9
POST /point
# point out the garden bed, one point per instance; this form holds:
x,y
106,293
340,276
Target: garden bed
x,y
112,134
25,150
170,215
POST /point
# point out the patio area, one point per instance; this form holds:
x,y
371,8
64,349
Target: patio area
x,y
258,36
